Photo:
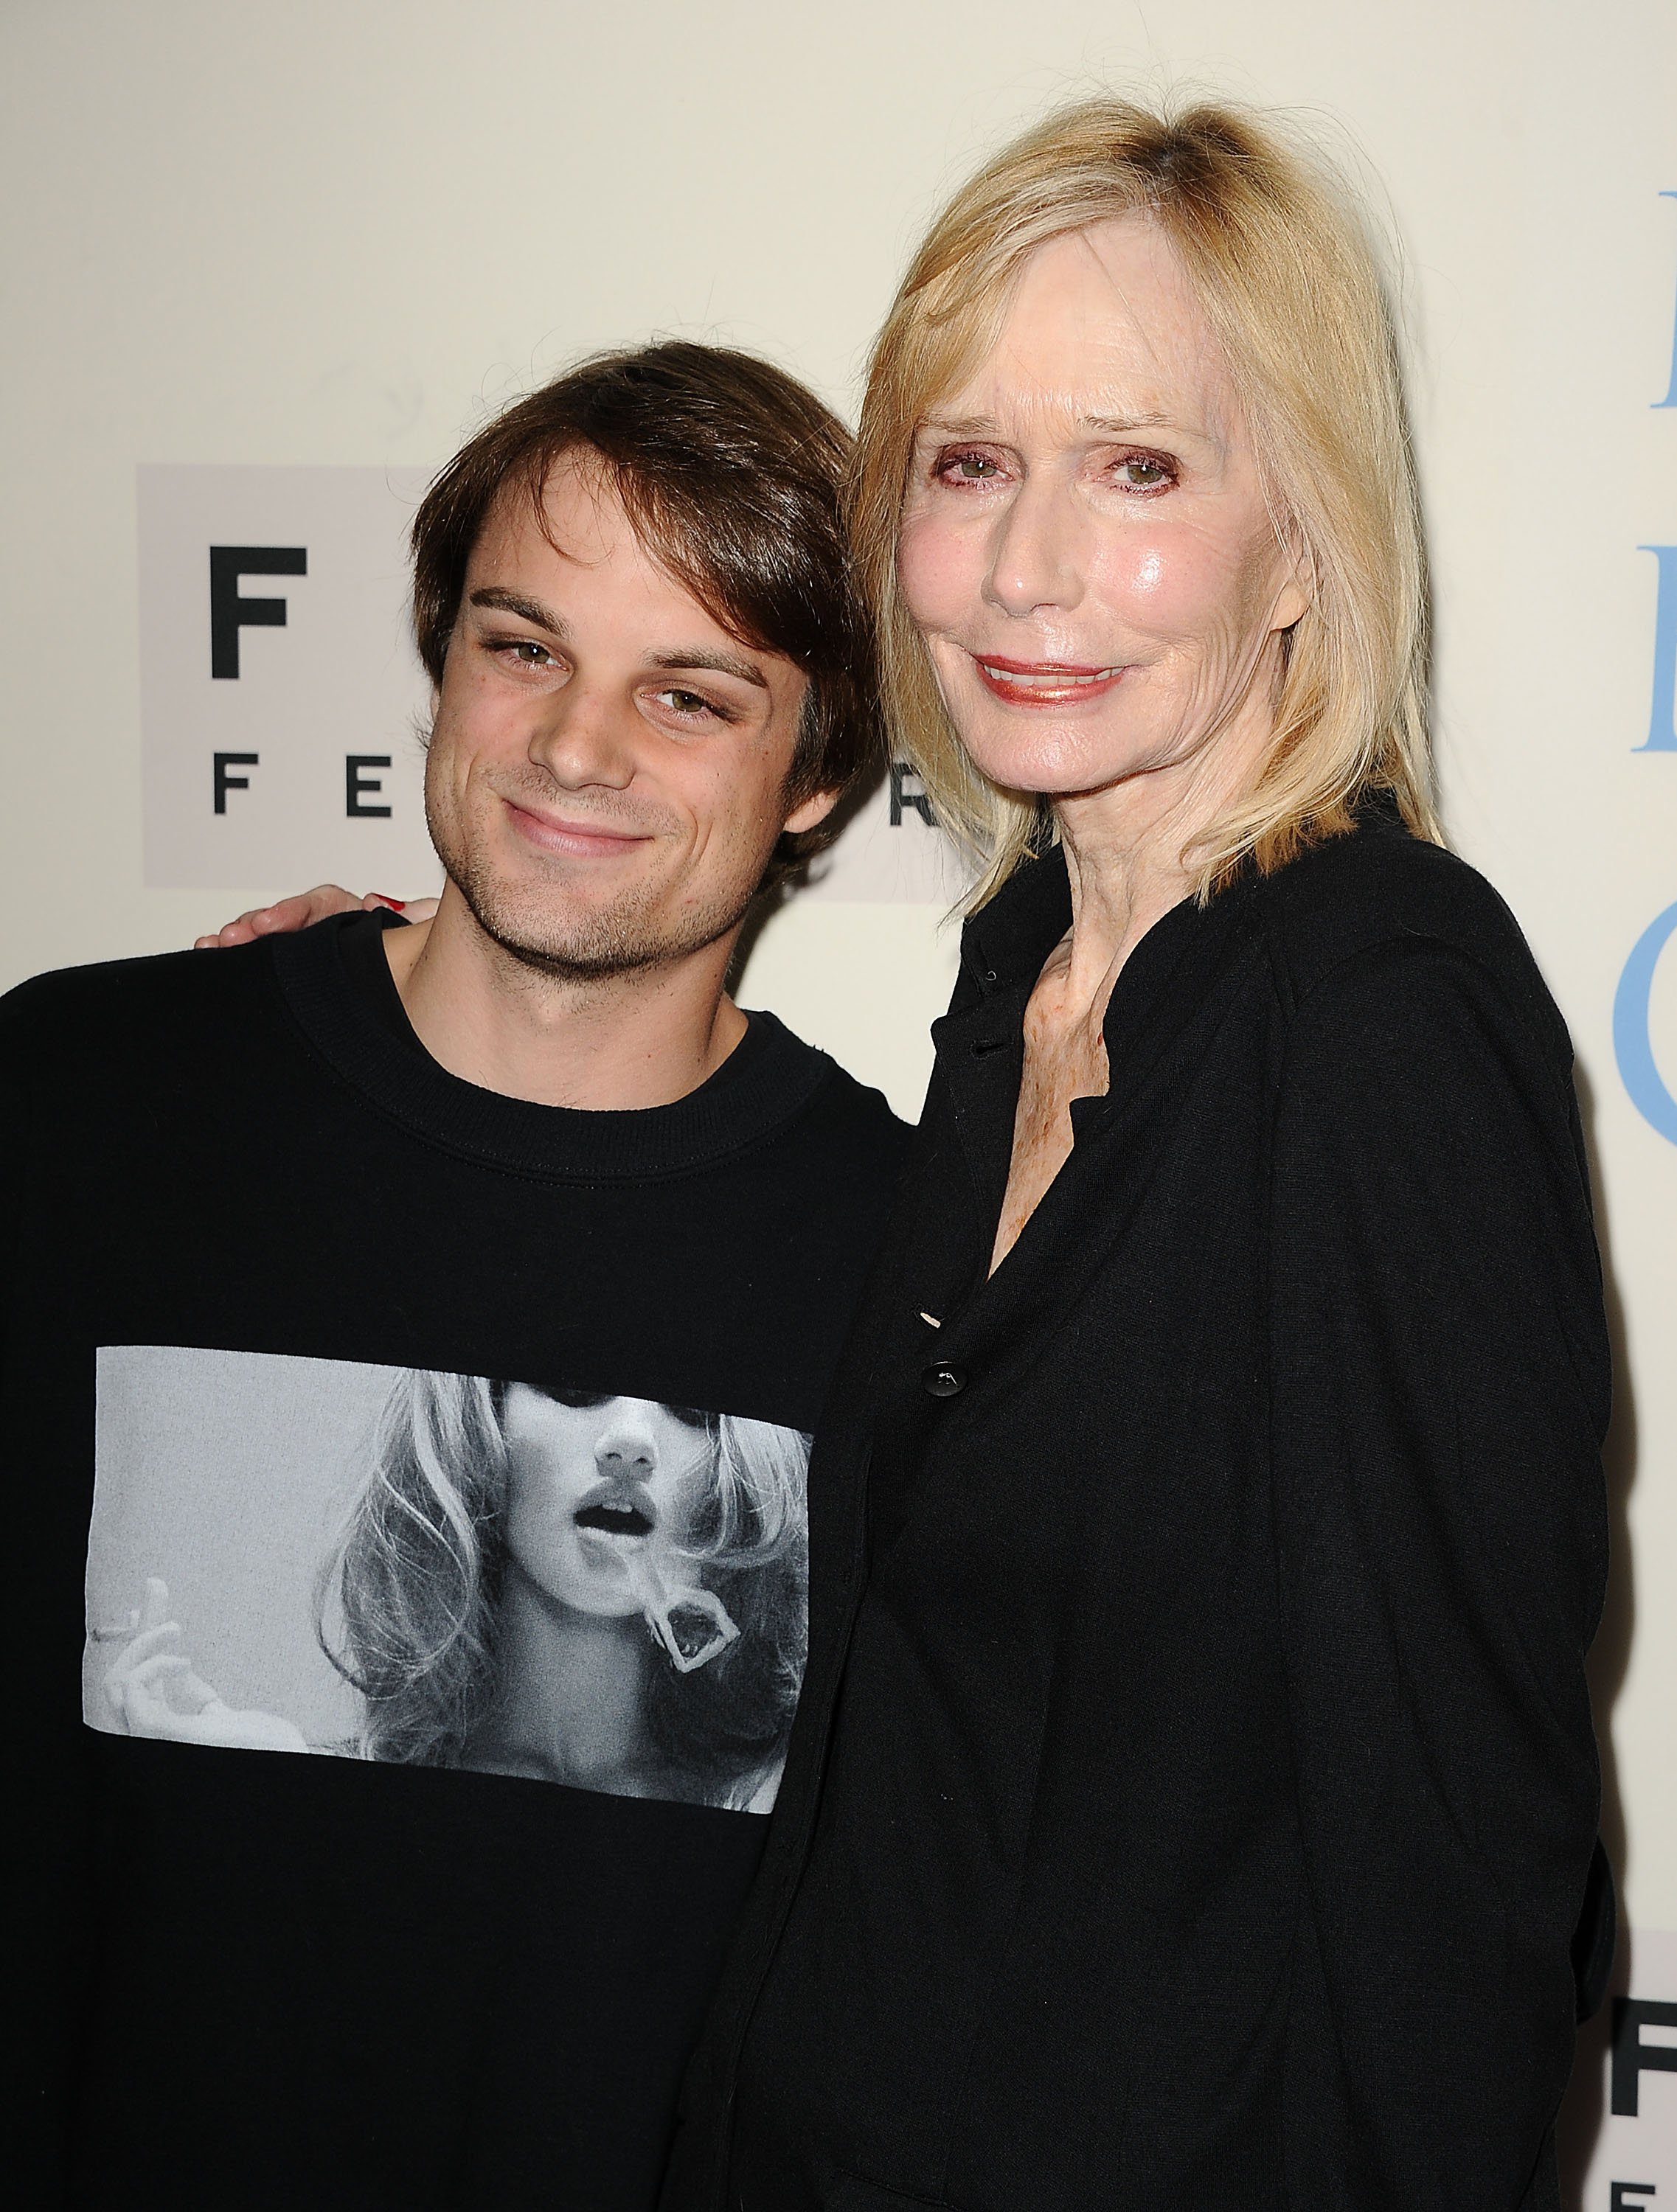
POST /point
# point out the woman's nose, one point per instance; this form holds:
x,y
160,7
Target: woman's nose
x,y
627,1451
1035,558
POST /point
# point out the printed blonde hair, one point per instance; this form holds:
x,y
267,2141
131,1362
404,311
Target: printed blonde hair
x,y
1289,284
407,1605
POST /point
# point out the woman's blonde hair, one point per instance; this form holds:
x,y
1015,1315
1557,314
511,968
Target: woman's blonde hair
x,y
1289,284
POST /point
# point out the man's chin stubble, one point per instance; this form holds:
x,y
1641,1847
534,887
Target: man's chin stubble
x,y
627,938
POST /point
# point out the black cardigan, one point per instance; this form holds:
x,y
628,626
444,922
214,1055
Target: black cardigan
x,y
1195,1788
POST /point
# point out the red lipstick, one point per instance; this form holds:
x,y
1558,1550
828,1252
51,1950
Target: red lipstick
x,y
1043,683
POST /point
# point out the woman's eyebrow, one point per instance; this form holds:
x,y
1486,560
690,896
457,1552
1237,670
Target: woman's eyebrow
x,y
985,426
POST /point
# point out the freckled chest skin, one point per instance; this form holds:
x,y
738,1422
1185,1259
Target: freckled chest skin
x,y
1065,1058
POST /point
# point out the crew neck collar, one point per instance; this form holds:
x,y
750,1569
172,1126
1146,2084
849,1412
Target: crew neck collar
x,y
768,1076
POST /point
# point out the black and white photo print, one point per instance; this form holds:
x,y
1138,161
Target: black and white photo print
x,y
315,1556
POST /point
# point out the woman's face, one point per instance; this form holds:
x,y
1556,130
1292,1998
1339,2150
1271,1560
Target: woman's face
x,y
603,1493
1086,545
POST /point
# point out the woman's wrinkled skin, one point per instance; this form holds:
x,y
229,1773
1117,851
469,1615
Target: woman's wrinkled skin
x,y
1087,550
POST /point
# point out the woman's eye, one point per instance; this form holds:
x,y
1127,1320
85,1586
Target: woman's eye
x,y
968,468
1144,472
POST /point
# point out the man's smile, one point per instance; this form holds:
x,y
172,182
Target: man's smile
x,y
576,838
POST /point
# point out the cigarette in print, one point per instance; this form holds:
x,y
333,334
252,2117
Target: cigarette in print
x,y
152,1614
692,1625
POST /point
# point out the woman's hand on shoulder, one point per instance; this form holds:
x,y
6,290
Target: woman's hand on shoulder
x,y
306,909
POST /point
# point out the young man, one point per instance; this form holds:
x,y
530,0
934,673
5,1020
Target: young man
x,y
411,1340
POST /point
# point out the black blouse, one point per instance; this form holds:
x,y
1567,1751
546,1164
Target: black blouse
x,y
1195,1785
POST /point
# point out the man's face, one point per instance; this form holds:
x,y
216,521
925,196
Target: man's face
x,y
607,772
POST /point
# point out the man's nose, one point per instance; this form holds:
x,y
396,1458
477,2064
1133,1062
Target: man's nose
x,y
586,737
1035,558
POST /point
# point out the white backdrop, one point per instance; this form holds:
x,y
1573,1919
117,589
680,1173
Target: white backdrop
x,y
288,235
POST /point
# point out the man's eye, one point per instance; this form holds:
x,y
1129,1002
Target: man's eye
x,y
520,652
687,703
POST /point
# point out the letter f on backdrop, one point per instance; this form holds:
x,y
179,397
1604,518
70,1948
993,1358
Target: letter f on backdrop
x,y
229,613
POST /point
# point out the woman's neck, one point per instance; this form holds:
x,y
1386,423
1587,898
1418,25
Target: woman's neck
x,y
1130,854
571,1704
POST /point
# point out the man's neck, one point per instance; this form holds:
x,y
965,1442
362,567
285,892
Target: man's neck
x,y
643,1038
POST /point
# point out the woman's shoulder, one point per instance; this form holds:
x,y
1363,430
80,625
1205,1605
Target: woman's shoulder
x,y
1382,912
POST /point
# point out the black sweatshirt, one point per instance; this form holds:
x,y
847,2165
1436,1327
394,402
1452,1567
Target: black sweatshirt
x,y
1194,1785
455,1447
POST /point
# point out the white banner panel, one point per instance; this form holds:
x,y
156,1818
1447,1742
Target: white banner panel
x,y
283,701
281,696
1627,2070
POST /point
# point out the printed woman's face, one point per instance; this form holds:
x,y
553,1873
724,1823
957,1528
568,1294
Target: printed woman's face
x,y
603,1496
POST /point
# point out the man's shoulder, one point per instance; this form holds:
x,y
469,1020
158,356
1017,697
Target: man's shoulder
x,y
159,997
844,1102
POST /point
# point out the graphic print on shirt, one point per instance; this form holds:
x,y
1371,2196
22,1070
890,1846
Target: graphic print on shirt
x,y
511,1577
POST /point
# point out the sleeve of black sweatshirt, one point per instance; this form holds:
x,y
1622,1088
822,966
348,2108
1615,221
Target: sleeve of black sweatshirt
x,y
46,1884
1439,1391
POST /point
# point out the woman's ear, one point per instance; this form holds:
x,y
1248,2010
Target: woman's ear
x,y
1297,588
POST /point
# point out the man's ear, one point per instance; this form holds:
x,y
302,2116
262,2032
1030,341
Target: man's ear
x,y
810,811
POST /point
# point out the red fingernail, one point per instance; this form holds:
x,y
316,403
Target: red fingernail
x,y
400,905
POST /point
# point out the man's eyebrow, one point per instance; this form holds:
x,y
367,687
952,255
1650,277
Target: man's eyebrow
x,y
696,657
724,664
527,609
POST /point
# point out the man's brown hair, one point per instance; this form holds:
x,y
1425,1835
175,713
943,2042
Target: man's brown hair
x,y
732,474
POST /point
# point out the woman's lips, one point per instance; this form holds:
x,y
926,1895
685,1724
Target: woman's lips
x,y
1041,682
622,1512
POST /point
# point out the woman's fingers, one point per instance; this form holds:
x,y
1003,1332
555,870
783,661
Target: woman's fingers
x,y
144,1647
414,909
305,910
152,1629
300,912
144,1703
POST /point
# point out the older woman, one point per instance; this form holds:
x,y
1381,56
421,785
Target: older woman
x,y
1195,1787
1194,1792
